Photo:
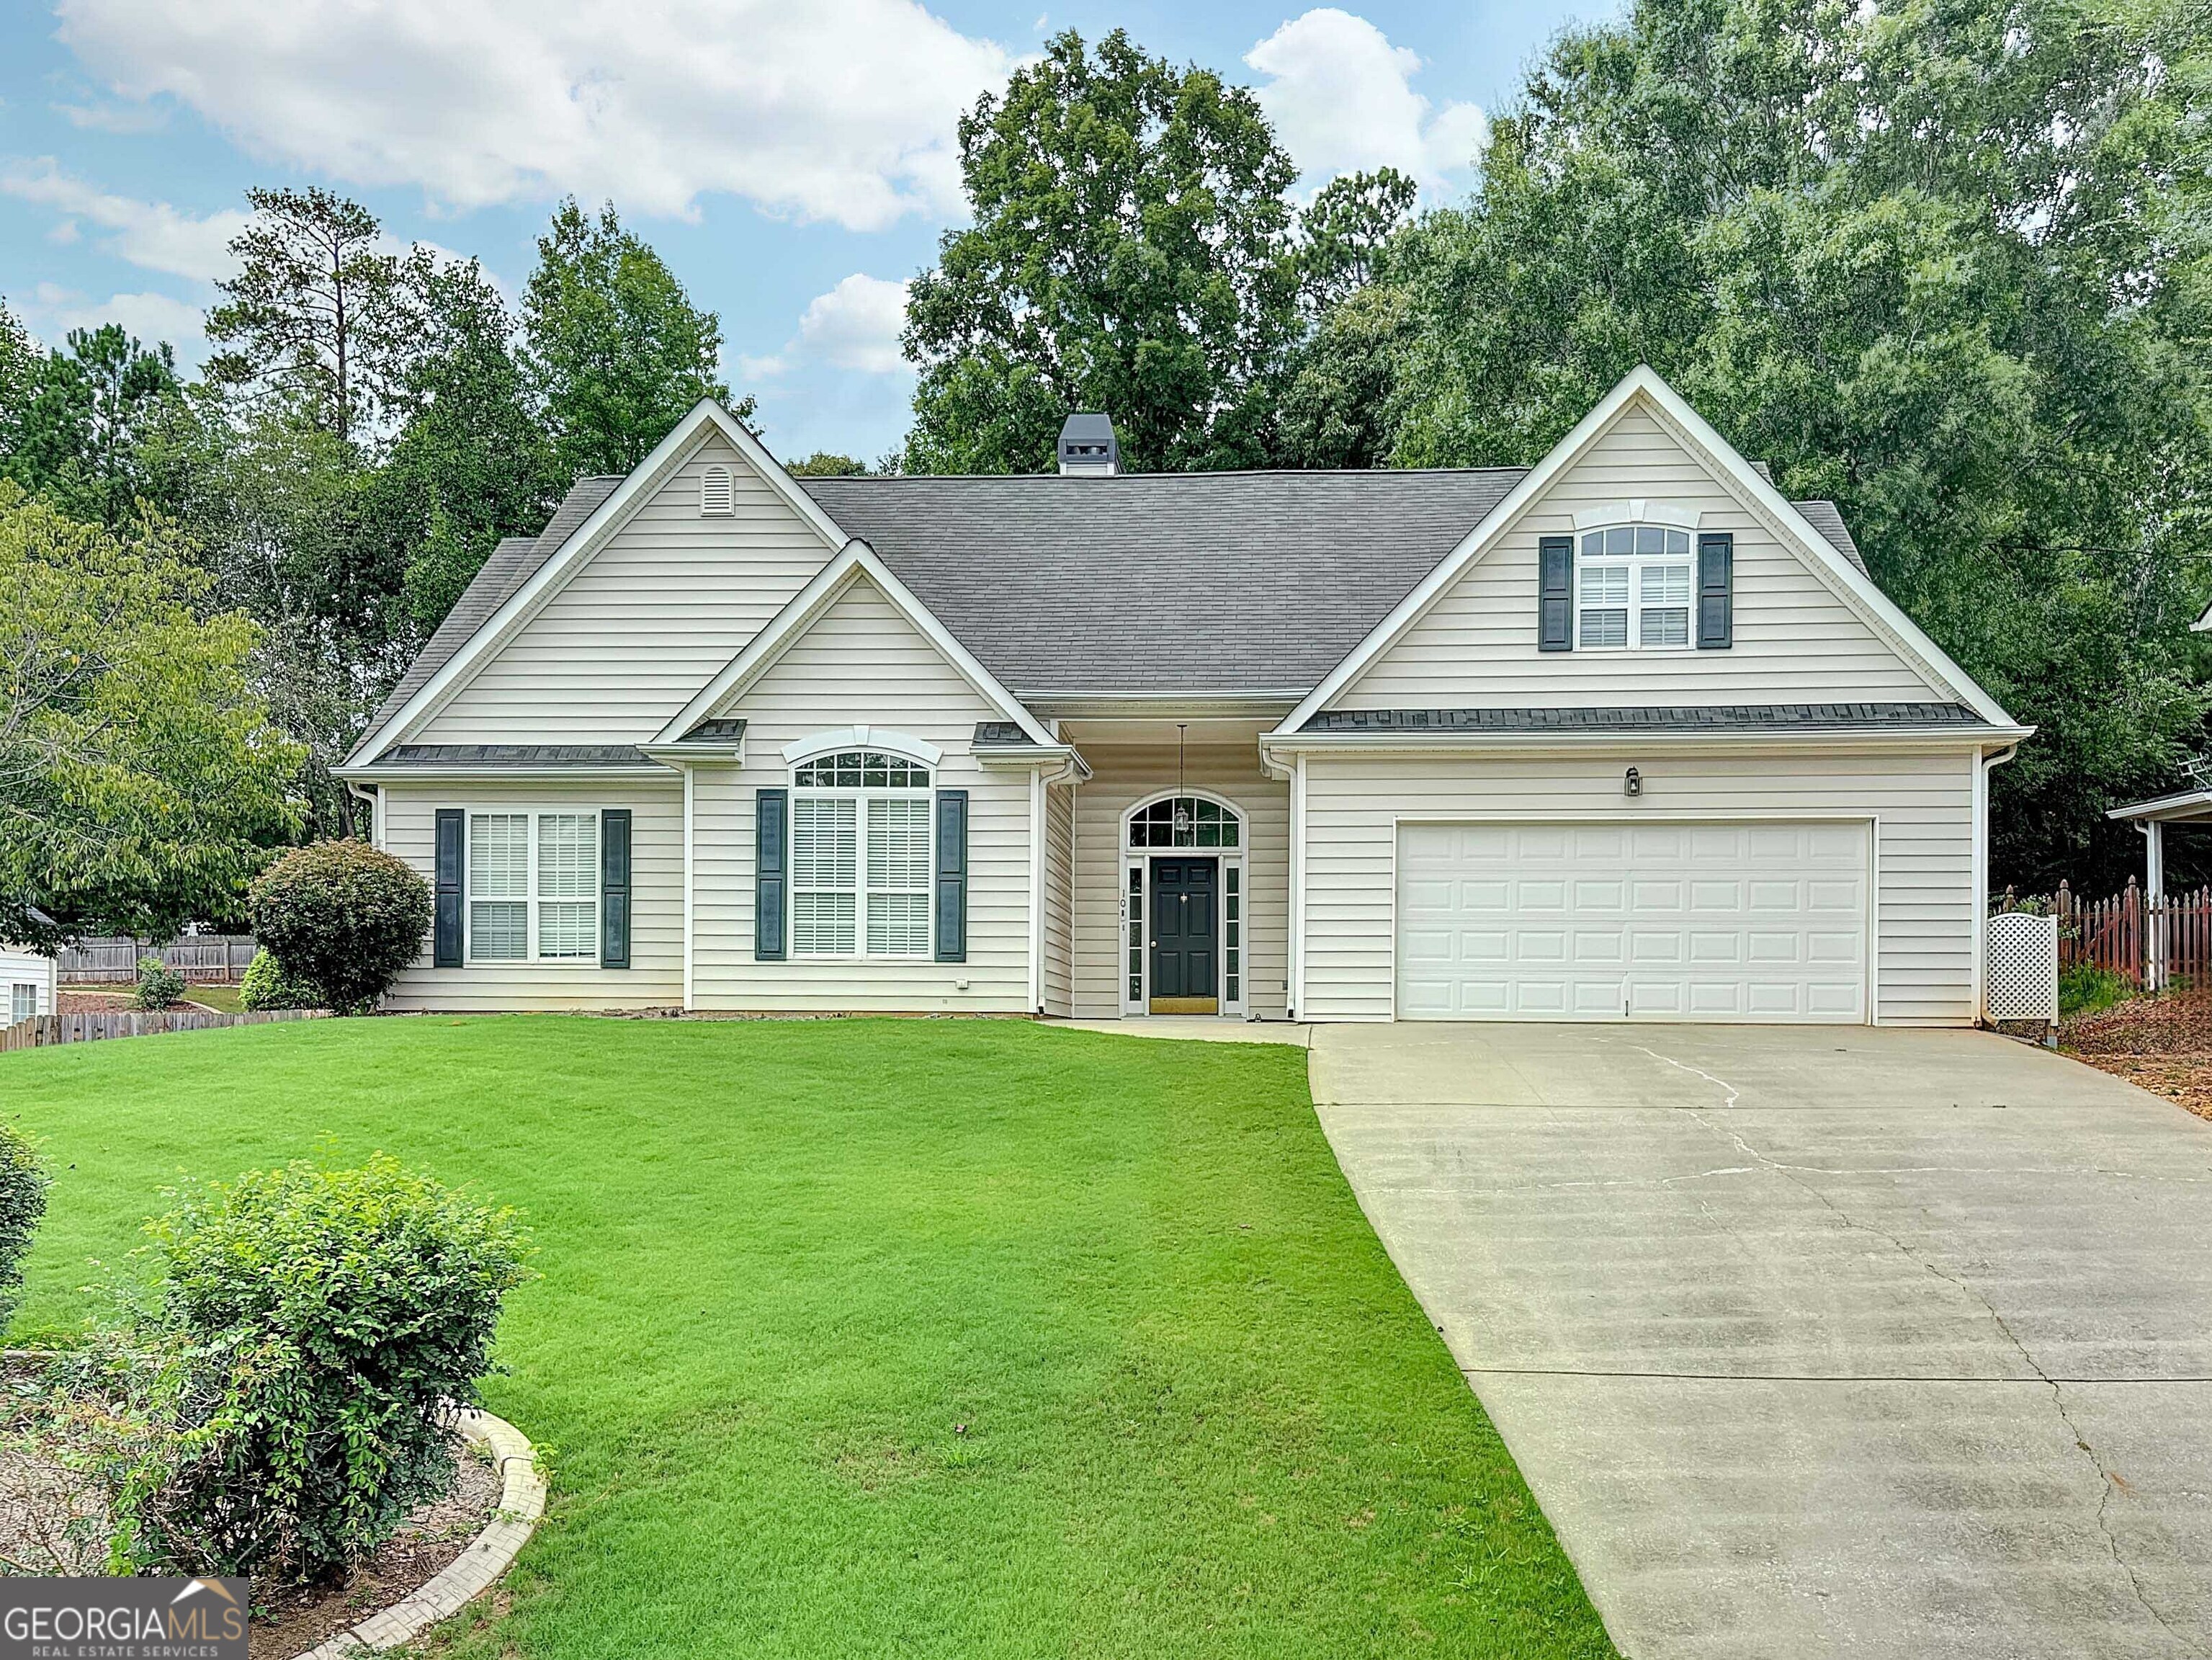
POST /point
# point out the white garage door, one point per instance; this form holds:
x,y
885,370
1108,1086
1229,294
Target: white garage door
x,y
1642,922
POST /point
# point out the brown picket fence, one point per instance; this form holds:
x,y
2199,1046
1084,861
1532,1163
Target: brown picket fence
x,y
2148,943
42,1030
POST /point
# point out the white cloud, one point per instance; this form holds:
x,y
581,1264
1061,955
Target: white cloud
x,y
126,119
1342,100
839,110
855,326
54,310
150,234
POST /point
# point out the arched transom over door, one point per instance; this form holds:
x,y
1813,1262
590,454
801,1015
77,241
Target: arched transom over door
x,y
1184,897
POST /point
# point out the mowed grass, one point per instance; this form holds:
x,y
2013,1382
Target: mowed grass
x,y
870,1338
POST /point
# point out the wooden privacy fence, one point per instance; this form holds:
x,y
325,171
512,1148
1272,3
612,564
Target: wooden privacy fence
x,y
2148,943
195,956
41,1030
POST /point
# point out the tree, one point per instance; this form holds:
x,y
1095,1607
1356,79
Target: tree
x,y
823,464
1931,261
1345,232
99,428
1130,252
319,316
140,777
614,351
471,464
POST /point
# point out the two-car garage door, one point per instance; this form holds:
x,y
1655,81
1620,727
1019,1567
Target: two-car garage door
x,y
1652,922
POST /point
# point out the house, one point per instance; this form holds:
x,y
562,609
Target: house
x,y
28,982
1625,735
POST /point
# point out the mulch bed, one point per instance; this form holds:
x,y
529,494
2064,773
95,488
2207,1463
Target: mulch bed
x,y
2163,1044
294,1621
39,1499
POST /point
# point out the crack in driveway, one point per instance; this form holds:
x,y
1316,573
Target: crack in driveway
x,y
2107,1483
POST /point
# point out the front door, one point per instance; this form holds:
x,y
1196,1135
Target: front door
x,y
1185,938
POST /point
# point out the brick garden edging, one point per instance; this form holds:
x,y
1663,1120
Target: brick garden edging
x,y
521,1502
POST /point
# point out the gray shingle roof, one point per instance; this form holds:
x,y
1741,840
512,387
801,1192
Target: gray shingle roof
x,y
1204,581
1146,582
1801,717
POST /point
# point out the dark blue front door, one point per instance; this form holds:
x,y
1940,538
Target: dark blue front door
x,y
1185,939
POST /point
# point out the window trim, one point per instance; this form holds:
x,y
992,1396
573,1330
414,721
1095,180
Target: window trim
x,y
531,899
864,797
1636,565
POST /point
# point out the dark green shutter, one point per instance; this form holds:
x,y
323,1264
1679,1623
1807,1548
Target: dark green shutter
x,y
452,859
614,888
1555,597
1716,578
952,876
771,864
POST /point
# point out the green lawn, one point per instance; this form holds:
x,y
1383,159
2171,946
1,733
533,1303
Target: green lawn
x,y
875,1338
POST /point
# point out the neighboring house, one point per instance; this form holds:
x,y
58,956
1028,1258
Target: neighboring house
x,y
1624,735
27,981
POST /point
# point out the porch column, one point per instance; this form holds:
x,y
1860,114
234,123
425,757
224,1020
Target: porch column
x,y
2153,895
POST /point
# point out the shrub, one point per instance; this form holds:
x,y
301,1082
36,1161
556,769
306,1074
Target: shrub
x,y
160,986
332,1319
343,919
265,985
2086,989
22,1203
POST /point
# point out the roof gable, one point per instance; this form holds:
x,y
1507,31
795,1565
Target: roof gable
x,y
854,567
504,598
1839,574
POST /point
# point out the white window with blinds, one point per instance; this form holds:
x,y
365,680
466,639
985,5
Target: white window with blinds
x,y
1633,585
534,887
861,856
22,1000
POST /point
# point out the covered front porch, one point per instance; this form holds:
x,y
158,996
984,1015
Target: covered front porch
x,y
1175,851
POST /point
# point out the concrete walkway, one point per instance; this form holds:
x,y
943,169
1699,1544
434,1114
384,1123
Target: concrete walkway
x,y
1845,1342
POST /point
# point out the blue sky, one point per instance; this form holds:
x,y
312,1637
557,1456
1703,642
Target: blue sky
x,y
794,164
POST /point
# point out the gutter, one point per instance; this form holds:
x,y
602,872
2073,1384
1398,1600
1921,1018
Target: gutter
x,y
1273,745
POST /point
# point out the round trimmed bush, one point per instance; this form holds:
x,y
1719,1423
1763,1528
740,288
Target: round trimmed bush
x,y
343,919
329,1323
160,986
265,985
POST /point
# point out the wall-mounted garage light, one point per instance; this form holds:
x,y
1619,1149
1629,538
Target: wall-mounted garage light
x,y
1633,784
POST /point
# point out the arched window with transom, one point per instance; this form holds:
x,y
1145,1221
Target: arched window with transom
x,y
860,856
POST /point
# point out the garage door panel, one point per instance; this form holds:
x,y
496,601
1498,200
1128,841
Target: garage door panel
x,y
1652,922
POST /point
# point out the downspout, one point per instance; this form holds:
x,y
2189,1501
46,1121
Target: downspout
x,y
1041,783
366,794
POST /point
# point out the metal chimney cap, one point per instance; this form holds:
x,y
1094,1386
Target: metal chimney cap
x,y
1087,445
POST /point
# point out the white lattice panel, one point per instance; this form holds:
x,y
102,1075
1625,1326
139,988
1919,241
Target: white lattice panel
x,y
2021,979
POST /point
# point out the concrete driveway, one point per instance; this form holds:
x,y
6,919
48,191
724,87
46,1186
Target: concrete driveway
x,y
1866,1342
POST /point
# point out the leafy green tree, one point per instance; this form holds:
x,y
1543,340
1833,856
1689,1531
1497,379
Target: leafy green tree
x,y
471,464
140,776
19,362
320,316
1130,252
614,352
823,464
1930,260
1346,231
99,427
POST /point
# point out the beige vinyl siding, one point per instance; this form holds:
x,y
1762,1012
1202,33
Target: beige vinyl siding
x,y
1795,640
1923,806
408,827
1059,970
860,662
654,616
1122,775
